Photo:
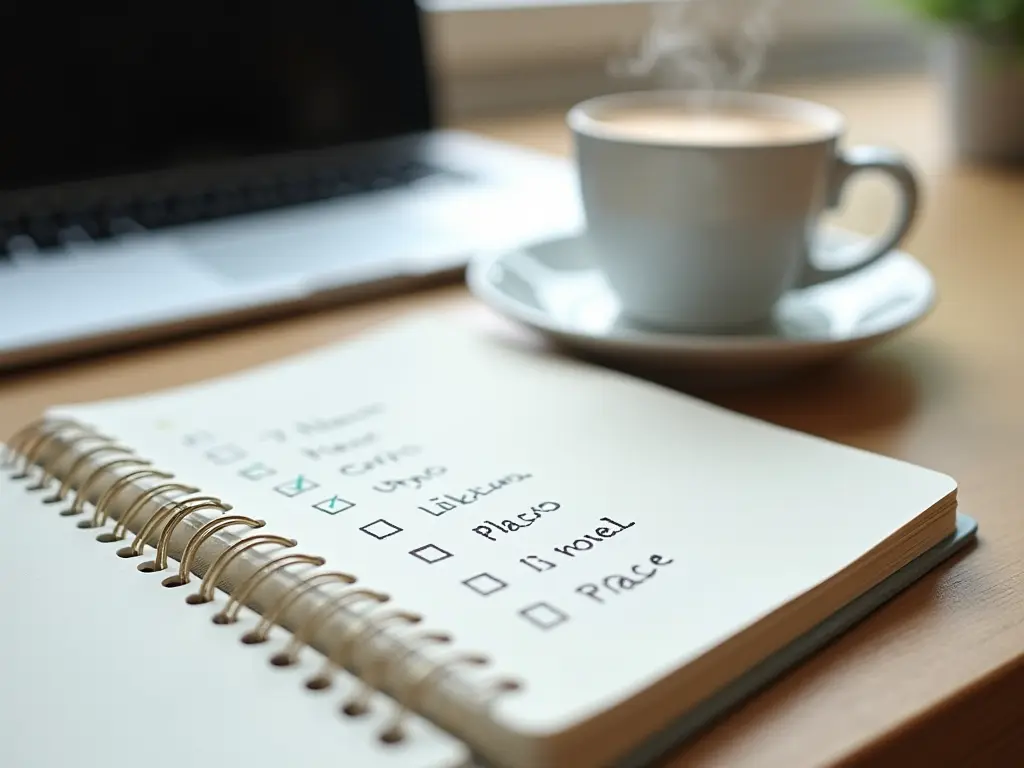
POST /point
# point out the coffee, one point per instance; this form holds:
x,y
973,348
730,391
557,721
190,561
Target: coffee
x,y
701,209
704,127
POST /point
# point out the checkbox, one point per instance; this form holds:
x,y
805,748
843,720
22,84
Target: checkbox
x,y
485,584
543,615
380,529
276,436
430,554
299,484
257,471
225,454
334,505
193,439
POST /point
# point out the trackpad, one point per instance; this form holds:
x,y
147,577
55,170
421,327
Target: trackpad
x,y
336,241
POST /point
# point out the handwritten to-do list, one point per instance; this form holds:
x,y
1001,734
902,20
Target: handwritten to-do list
x,y
414,499
538,513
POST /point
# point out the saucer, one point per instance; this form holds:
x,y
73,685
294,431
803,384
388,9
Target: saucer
x,y
553,287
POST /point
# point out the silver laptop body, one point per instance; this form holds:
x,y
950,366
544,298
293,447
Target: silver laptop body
x,y
162,174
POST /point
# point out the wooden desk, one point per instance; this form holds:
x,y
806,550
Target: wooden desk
x,y
937,676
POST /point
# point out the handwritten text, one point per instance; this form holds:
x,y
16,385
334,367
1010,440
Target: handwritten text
x,y
440,505
490,528
590,540
382,459
413,482
621,583
323,424
327,450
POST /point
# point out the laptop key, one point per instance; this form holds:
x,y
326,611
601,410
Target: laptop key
x,y
73,234
22,245
183,210
42,230
414,171
114,218
206,204
105,216
152,214
84,226
225,202
124,225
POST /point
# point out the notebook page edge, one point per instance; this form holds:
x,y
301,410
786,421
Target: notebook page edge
x,y
612,733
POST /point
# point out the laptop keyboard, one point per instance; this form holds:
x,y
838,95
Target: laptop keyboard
x,y
42,232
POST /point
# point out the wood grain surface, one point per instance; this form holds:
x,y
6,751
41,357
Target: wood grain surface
x,y
937,676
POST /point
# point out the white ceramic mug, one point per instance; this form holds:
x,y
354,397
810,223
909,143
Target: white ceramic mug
x,y
706,234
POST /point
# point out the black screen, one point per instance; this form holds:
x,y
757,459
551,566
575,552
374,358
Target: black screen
x,y
164,84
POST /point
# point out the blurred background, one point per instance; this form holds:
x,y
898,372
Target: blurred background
x,y
504,55
275,159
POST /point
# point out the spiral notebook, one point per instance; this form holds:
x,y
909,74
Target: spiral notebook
x,y
428,547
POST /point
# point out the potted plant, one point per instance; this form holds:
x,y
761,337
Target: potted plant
x,y
982,64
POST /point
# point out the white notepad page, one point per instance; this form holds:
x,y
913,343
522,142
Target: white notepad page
x,y
588,532
101,666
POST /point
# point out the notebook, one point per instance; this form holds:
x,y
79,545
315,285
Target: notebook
x,y
430,546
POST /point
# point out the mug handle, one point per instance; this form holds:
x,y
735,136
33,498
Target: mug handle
x,y
848,164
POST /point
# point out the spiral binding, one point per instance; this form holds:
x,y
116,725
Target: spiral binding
x,y
46,444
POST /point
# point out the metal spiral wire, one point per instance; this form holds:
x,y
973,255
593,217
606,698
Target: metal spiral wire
x,y
47,444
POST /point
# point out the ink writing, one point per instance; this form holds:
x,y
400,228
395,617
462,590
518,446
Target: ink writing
x,y
383,459
590,540
538,564
323,424
413,482
621,583
442,504
329,450
491,529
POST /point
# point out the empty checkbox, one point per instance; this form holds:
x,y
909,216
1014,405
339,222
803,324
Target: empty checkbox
x,y
430,554
225,454
543,615
485,584
194,439
380,529
257,471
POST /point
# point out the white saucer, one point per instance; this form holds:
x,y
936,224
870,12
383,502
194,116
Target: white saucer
x,y
554,288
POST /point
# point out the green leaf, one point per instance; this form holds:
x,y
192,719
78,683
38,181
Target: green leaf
x,y
997,20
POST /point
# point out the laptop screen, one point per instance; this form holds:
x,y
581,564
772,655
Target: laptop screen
x,y
156,86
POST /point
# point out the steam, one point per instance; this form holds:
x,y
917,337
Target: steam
x,y
704,44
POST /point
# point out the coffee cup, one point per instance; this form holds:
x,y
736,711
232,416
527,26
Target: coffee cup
x,y
703,209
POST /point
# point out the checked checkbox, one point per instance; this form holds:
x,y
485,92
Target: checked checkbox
x,y
334,505
300,484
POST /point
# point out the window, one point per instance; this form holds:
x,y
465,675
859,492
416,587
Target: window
x,y
498,54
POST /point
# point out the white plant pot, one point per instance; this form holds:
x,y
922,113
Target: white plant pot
x,y
984,86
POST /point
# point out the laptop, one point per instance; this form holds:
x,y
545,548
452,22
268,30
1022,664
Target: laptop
x,y
164,171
